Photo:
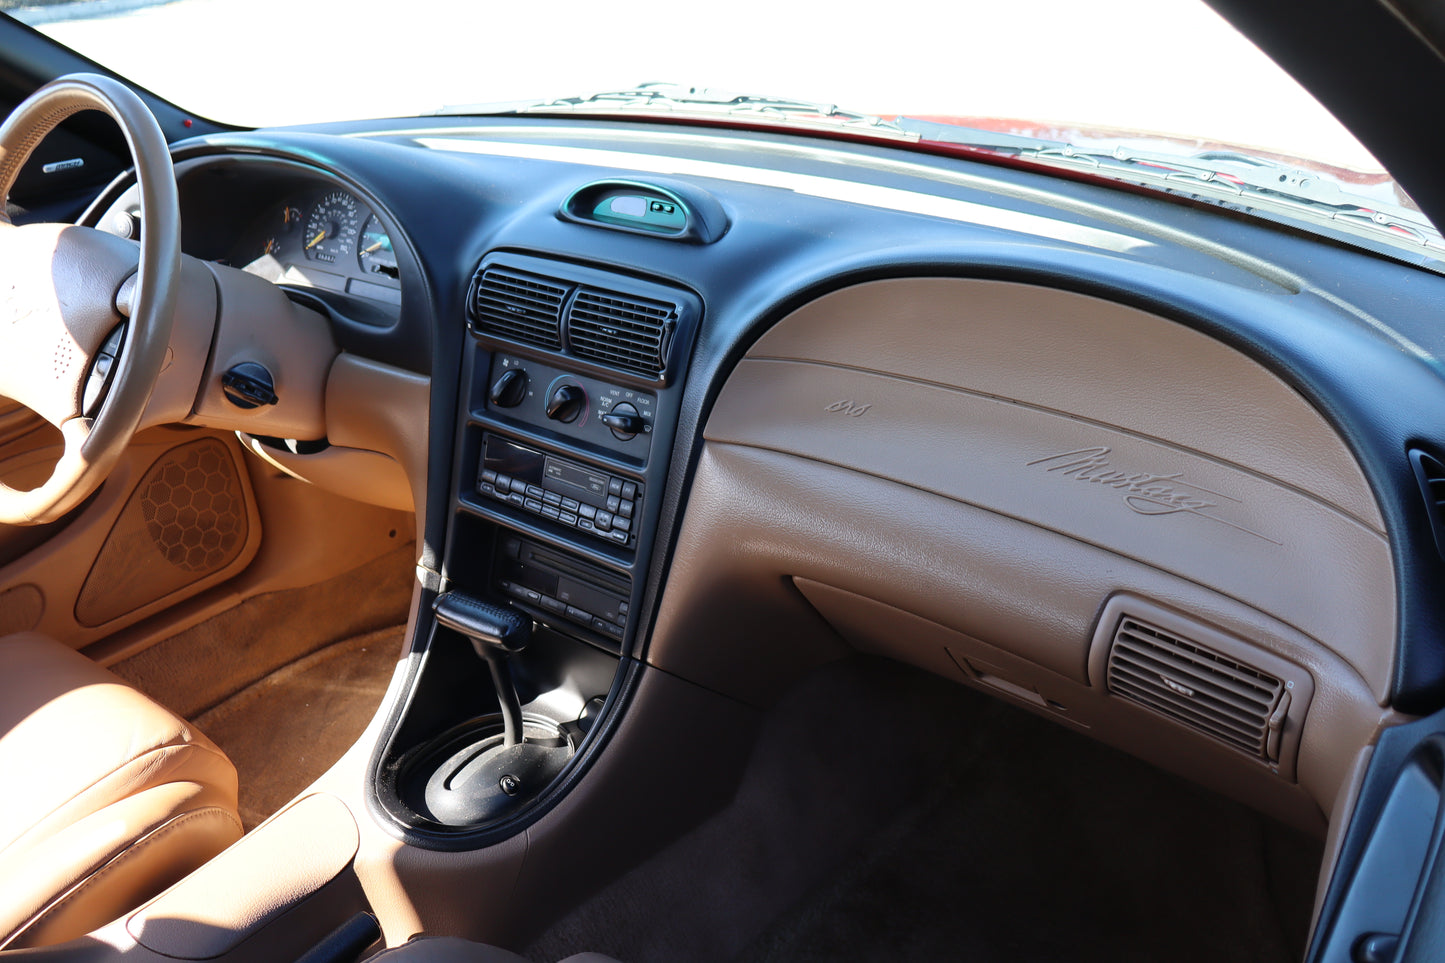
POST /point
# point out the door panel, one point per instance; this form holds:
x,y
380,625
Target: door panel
x,y
176,517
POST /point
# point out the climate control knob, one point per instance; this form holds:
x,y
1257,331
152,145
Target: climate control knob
x,y
625,421
509,390
566,403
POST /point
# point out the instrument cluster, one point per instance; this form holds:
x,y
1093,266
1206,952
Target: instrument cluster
x,y
327,239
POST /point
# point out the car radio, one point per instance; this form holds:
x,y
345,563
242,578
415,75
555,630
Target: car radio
x,y
567,492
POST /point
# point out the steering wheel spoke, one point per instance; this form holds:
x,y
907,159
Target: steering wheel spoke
x,y
58,300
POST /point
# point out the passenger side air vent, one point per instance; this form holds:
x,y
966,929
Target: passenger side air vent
x,y
1218,696
1430,474
621,331
1216,684
520,306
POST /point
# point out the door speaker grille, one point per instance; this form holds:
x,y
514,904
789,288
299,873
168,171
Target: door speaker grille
x,y
188,520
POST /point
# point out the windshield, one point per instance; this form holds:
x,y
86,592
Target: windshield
x,y
1102,76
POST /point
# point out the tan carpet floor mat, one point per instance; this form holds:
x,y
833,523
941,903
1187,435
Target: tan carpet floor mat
x,y
285,730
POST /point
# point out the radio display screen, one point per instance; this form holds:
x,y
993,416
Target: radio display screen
x,y
570,473
506,458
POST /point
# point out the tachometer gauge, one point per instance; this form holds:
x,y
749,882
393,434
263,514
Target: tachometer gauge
x,y
331,228
374,252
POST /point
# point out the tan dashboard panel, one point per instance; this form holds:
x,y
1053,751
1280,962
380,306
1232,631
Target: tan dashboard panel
x,y
831,561
1108,425
1252,539
1091,358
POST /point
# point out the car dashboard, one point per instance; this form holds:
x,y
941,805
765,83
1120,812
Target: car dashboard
x,y
728,405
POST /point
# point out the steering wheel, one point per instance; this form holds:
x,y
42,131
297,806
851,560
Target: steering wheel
x,y
67,351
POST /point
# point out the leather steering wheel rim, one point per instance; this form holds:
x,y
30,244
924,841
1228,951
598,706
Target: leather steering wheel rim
x,y
92,446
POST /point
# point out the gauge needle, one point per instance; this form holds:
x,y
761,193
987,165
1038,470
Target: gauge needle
x,y
375,247
315,240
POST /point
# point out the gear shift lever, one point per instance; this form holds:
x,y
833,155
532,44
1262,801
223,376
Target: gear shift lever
x,y
495,633
481,776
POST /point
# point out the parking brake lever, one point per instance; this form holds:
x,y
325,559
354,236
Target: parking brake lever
x,y
496,633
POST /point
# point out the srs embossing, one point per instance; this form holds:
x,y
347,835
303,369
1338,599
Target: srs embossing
x,y
1144,492
847,407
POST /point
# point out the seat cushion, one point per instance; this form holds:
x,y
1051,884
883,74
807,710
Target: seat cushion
x,y
109,797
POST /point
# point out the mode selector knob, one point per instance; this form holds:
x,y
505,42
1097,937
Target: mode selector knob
x,y
566,403
509,390
625,421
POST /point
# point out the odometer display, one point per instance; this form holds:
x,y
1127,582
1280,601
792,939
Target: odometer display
x,y
332,228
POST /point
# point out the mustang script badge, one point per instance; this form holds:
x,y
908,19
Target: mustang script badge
x,y
1145,493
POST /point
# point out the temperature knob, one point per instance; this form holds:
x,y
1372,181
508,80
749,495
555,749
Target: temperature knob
x,y
566,403
625,421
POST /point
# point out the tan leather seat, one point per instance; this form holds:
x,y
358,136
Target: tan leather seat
x,y
107,797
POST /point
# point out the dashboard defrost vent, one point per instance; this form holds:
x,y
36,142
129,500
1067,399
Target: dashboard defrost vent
x,y
1221,697
622,331
1430,473
520,306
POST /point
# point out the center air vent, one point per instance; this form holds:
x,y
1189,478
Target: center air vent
x,y
620,331
520,306
627,324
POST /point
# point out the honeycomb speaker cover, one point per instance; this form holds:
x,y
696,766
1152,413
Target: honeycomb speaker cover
x,y
187,520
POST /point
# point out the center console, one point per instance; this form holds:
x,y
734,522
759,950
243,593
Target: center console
x,y
571,388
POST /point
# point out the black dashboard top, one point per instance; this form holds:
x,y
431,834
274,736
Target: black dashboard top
x,y
805,217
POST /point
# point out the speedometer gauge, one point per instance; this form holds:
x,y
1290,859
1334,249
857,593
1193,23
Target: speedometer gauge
x,y
374,252
331,229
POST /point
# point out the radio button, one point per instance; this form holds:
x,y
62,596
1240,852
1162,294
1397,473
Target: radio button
x,y
532,505
614,502
571,504
573,612
551,512
622,524
618,537
614,486
586,525
588,511
552,498
504,483
568,519
534,491
517,499
552,605
486,489
629,490
490,477
603,520
627,509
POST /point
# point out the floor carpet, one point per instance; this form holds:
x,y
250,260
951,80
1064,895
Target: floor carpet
x,y
887,815
287,729
196,669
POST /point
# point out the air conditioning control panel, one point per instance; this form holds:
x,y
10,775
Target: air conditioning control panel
x,y
577,407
